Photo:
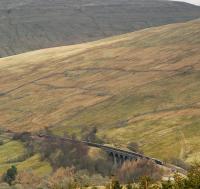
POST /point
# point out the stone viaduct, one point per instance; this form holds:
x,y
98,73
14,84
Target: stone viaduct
x,y
118,155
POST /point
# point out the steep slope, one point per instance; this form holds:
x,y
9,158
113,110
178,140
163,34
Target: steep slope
x,y
143,86
27,25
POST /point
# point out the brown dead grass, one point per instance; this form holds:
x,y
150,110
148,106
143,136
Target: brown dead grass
x,y
142,86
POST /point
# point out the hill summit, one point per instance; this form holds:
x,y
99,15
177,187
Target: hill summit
x,y
27,25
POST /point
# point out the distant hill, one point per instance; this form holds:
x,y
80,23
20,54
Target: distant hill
x,y
27,25
142,87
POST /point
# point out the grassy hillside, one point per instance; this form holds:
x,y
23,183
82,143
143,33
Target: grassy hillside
x,y
143,86
27,25
14,153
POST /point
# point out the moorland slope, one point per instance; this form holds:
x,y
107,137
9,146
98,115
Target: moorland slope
x,y
142,86
27,25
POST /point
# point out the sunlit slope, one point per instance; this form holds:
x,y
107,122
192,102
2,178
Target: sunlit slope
x,y
143,86
14,153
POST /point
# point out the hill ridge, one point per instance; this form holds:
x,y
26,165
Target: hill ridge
x,y
28,25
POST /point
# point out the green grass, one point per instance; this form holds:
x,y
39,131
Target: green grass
x,y
11,153
34,164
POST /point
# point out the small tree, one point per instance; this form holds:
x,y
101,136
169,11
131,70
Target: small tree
x,y
116,185
145,182
92,136
167,185
193,180
129,186
180,163
179,181
133,170
134,146
10,175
